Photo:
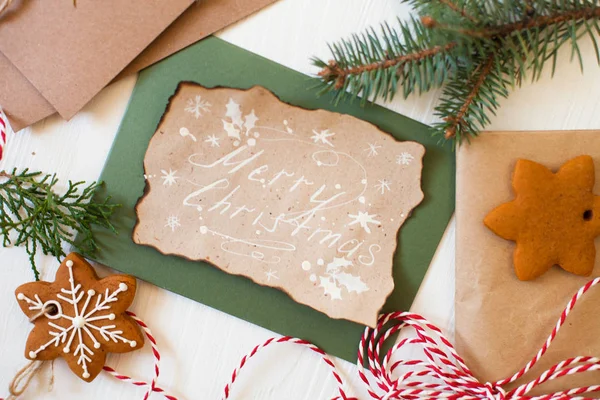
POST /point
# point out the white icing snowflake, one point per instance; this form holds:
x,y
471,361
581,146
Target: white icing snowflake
x,y
196,106
173,223
364,219
383,186
169,178
322,137
372,149
404,158
81,325
213,140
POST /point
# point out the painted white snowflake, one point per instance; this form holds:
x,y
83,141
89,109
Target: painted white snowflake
x,y
372,149
364,219
382,186
322,137
197,106
213,140
335,279
271,275
169,178
404,158
173,223
90,317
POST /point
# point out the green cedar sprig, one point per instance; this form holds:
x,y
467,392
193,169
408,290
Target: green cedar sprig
x,y
477,50
34,215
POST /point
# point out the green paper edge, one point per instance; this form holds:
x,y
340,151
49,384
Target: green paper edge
x,y
213,62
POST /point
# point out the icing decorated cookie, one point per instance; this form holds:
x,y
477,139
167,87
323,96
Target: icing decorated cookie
x,y
553,219
80,317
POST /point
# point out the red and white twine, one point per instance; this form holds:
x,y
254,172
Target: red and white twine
x,y
441,374
4,127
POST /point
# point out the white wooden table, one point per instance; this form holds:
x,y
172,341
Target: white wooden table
x,y
201,346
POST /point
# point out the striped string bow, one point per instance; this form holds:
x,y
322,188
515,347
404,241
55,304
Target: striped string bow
x,y
440,374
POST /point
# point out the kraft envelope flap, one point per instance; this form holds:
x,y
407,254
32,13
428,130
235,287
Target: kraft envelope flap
x,y
24,105
70,53
213,63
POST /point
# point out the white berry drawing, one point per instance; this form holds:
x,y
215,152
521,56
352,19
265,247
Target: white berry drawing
x,y
72,337
404,158
236,124
196,106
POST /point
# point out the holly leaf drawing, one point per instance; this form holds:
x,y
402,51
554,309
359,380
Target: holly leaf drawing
x,y
351,282
338,263
330,287
250,121
231,130
234,112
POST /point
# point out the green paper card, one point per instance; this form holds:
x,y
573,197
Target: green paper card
x,y
213,63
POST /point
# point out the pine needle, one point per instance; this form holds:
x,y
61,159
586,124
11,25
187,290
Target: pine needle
x,y
34,215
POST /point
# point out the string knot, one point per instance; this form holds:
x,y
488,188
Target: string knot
x,y
494,392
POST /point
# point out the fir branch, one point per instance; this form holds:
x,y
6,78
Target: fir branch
x,y
35,216
452,44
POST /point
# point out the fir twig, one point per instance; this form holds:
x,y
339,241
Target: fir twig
x,y
34,215
477,49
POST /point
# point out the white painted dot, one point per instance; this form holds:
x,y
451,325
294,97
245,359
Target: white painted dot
x,y
262,181
320,261
313,278
264,186
362,199
258,232
251,142
111,316
184,131
79,322
199,208
32,354
66,350
392,219
96,345
285,122
338,186
306,265
91,292
85,375
402,215
323,219
203,230
256,134
123,286
364,181
21,296
133,343
69,263
319,163
236,143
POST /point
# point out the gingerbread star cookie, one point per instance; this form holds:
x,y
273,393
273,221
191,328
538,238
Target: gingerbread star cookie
x,y
553,219
79,317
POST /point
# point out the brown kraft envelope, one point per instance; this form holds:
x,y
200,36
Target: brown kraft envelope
x,y
24,105
502,322
70,53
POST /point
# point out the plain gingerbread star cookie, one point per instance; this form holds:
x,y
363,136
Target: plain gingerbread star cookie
x,y
553,219
85,319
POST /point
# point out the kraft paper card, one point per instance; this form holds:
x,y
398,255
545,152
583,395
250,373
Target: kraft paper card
x,y
501,322
80,48
235,294
24,105
309,202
